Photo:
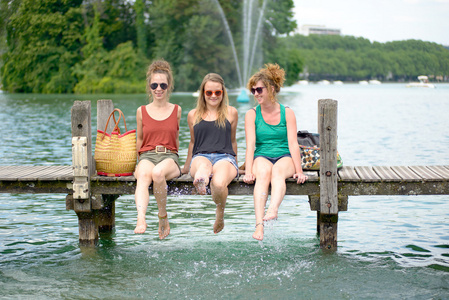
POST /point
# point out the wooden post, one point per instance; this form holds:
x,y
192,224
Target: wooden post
x,y
82,171
106,214
328,216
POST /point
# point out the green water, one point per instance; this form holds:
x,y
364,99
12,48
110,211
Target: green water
x,y
389,247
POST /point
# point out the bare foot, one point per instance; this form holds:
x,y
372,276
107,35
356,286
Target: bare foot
x,y
219,225
271,215
219,218
258,233
141,226
164,227
200,185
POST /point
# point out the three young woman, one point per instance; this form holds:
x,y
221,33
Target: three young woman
x,y
272,151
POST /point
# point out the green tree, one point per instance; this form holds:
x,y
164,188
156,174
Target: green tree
x,y
42,40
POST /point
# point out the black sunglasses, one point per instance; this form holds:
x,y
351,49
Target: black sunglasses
x,y
257,89
153,86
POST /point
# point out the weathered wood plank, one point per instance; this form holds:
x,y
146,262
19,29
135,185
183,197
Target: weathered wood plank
x,y
13,172
367,174
443,171
348,174
406,173
386,174
425,173
40,173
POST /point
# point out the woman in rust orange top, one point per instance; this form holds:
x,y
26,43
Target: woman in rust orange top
x,y
157,145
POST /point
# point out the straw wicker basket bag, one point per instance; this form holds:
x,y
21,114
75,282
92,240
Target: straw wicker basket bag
x,y
115,153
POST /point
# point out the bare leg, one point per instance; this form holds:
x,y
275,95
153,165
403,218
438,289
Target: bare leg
x,y
262,171
165,170
223,172
200,170
282,170
144,179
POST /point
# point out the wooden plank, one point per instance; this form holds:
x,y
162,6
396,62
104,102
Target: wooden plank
x,y
386,174
38,173
442,171
59,173
406,173
425,173
55,173
12,171
367,174
28,172
348,174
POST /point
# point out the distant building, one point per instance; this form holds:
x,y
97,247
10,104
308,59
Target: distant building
x,y
318,29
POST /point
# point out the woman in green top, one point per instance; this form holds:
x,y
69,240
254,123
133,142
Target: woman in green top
x,y
272,150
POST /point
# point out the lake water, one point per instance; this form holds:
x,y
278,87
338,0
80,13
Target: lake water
x,y
388,246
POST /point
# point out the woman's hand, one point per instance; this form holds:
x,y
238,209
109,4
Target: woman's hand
x,y
184,170
301,178
249,178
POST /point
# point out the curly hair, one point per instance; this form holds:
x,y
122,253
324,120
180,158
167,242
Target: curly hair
x,y
271,76
201,102
160,66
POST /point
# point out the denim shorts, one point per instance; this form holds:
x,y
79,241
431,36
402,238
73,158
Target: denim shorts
x,y
273,160
216,157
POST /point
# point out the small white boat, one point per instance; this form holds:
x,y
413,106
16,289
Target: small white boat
x,y
338,82
196,94
303,82
374,81
324,82
423,82
363,82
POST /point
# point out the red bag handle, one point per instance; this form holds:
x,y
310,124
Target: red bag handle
x,y
116,127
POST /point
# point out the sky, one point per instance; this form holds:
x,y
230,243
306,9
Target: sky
x,y
379,20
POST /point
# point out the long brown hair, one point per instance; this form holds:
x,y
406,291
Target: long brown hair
x,y
201,107
160,66
271,76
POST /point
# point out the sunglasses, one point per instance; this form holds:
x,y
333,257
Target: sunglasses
x,y
217,93
164,86
259,90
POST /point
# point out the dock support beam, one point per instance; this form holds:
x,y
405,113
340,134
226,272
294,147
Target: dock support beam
x,y
328,212
83,168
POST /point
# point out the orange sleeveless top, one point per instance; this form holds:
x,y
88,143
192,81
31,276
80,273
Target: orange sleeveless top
x,y
159,133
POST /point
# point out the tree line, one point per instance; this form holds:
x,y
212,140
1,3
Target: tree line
x,y
93,46
348,58
105,46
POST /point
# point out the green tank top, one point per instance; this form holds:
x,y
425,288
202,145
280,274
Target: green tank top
x,y
271,140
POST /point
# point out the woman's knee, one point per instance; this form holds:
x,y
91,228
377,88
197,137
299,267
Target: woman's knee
x,y
158,175
218,182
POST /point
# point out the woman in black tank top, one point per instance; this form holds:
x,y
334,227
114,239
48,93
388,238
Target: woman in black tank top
x,y
212,155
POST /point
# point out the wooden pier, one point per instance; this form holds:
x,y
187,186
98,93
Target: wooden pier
x,y
93,197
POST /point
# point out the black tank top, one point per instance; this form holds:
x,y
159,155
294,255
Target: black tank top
x,y
210,138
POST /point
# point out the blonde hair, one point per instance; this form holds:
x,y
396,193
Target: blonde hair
x,y
201,107
271,76
160,66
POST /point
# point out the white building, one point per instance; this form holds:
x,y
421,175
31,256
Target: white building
x,y
318,29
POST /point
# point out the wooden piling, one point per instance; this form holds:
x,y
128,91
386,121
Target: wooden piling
x,y
328,215
106,212
83,168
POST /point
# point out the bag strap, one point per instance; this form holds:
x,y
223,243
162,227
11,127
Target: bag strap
x,y
116,127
